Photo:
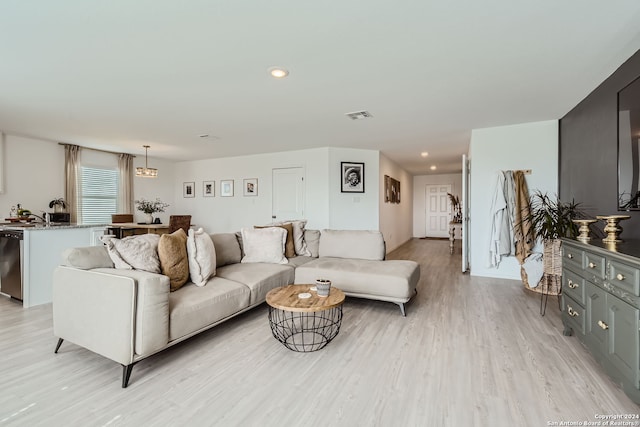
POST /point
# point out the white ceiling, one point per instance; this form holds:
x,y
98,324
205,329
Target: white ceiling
x,y
119,74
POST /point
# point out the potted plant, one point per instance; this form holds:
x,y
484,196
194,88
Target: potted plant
x,y
552,219
58,205
456,207
150,207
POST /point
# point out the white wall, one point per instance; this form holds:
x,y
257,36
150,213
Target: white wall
x,y
225,214
396,218
354,211
34,175
526,146
325,206
419,198
161,187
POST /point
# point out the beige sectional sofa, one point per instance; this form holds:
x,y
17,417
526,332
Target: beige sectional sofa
x,y
128,315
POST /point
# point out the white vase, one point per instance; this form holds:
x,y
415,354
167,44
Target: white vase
x,y
149,218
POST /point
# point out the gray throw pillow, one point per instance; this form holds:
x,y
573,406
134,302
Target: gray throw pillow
x,y
135,252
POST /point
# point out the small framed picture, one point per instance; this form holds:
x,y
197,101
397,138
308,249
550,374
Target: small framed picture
x,y
251,187
208,188
352,177
226,188
188,189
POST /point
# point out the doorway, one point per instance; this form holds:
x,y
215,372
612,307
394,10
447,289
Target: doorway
x,y
288,194
437,210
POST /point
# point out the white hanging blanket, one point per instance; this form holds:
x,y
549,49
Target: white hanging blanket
x,y
534,268
500,238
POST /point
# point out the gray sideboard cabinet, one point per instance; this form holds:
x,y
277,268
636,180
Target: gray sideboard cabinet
x,y
601,306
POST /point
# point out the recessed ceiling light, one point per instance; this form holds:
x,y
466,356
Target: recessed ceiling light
x,y
278,72
433,167
424,154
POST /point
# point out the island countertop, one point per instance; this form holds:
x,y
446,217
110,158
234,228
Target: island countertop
x,y
42,226
41,252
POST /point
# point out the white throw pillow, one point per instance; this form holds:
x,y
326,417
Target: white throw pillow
x,y
264,245
135,252
202,257
298,235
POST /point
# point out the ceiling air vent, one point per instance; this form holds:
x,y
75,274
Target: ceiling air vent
x,y
358,115
208,138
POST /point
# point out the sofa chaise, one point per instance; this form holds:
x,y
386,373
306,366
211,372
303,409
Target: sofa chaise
x,y
354,262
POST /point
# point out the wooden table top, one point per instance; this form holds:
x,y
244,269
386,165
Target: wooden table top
x,y
140,226
286,298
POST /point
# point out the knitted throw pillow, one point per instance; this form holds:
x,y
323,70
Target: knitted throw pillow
x,y
172,251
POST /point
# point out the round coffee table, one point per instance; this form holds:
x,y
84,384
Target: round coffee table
x,y
304,324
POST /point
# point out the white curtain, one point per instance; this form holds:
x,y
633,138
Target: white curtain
x,y
125,192
71,162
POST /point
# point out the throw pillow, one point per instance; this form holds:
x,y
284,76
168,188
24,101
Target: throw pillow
x,y
135,252
87,258
289,247
264,245
227,249
298,237
202,257
312,239
172,251
239,239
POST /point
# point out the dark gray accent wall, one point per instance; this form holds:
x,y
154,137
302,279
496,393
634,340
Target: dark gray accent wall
x,y
589,149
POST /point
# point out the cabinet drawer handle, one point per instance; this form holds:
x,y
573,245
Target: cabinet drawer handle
x,y
571,312
603,325
570,256
620,277
571,284
592,265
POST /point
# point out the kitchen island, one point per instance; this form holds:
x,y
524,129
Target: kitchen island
x,y
41,253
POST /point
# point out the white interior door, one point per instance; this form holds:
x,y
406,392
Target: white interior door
x,y
465,213
438,210
288,194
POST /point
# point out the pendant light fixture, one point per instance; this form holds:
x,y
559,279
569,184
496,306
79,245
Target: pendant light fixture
x,y
146,171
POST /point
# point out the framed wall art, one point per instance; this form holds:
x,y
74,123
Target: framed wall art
x,y
352,177
188,189
387,188
226,188
391,190
208,188
251,187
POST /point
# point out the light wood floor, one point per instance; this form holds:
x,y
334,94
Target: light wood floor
x,y
471,352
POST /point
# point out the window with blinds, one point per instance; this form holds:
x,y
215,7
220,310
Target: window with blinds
x,y
98,194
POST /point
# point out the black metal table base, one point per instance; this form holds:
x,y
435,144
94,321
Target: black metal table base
x,y
305,332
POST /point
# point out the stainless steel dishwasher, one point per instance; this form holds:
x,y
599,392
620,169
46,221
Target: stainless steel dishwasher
x,y
11,251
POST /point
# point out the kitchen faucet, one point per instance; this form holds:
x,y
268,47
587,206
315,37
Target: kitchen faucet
x,y
44,218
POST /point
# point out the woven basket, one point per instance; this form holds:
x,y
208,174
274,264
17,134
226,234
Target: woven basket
x,y
548,285
552,258
551,282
